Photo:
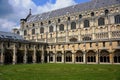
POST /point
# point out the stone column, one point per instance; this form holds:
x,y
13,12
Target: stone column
x,y
14,54
34,54
42,56
2,51
25,55
97,57
73,57
84,57
111,57
63,57
48,57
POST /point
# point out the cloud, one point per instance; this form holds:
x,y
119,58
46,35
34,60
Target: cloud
x,y
14,10
5,8
7,25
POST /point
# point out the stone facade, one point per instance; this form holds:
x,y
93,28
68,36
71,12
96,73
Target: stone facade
x,y
84,33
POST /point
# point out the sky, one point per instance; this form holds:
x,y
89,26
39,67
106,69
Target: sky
x,y
11,11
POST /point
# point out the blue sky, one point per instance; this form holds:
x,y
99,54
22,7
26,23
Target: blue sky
x,y
11,11
42,2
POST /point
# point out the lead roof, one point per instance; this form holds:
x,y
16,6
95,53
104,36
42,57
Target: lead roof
x,y
91,5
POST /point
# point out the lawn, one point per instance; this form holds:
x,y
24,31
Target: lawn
x,y
60,72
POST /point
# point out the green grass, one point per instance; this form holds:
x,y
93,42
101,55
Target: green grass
x,y
59,72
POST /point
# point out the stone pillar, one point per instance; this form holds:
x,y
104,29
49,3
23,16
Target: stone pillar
x,y
14,54
34,54
73,57
97,57
63,57
42,57
2,56
25,55
84,57
48,56
111,57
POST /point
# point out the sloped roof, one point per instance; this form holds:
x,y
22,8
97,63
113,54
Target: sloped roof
x,y
91,5
8,35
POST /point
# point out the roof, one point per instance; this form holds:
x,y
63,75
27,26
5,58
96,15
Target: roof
x,y
91,5
8,35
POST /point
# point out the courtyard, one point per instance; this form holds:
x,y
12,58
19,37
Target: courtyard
x,y
60,72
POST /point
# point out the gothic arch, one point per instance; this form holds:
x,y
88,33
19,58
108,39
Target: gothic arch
x,y
8,56
91,56
20,56
79,56
68,56
51,56
73,25
117,56
104,56
59,56
30,57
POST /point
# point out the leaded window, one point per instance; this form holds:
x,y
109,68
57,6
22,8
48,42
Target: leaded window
x,y
41,30
51,29
25,32
68,18
41,23
80,16
117,19
106,12
101,21
92,13
61,27
86,23
33,31
58,20
73,25
87,38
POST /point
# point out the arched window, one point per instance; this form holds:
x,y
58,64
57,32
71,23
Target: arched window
x,y
101,21
73,25
25,32
18,32
58,20
61,27
33,24
41,23
51,29
92,13
68,18
117,19
80,16
49,22
106,11
33,31
41,30
86,23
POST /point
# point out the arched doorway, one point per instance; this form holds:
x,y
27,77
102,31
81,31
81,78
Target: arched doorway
x,y
30,57
117,56
38,57
68,56
79,56
20,55
104,56
8,56
51,57
59,57
91,56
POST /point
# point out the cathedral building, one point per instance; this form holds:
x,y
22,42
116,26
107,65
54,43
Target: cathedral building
x,y
86,33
